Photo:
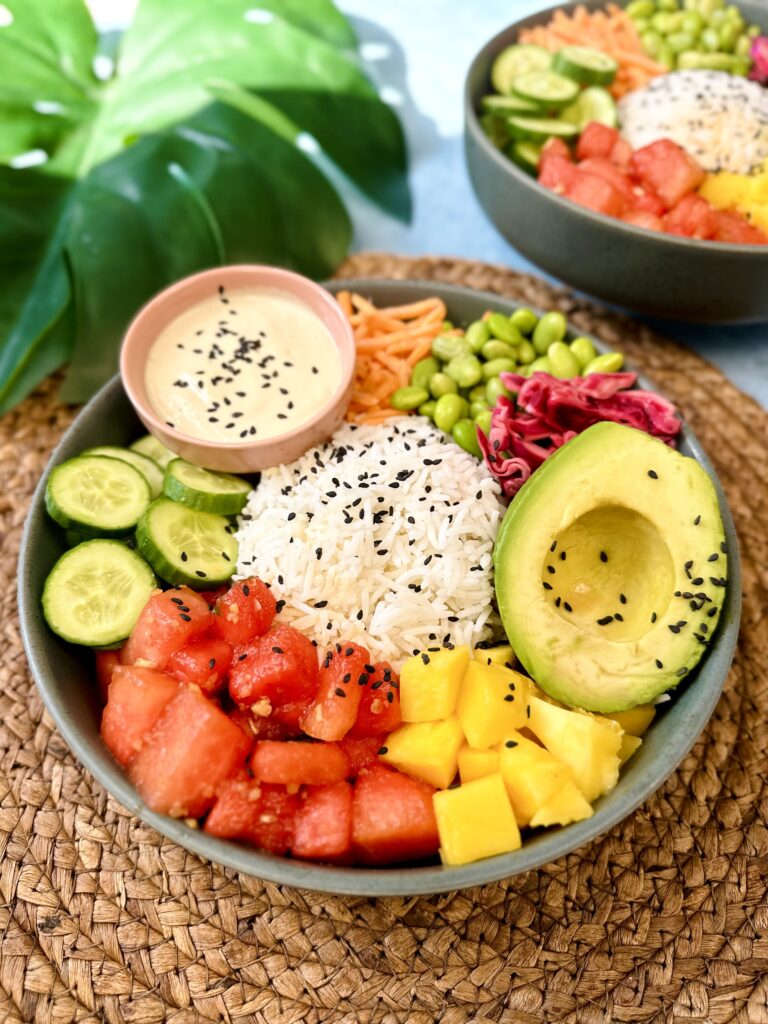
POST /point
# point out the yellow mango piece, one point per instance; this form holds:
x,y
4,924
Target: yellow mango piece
x,y
429,684
426,750
474,764
635,721
531,775
492,702
502,655
629,744
588,744
563,807
475,820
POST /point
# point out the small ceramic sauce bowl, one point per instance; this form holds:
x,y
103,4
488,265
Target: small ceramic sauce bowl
x,y
246,456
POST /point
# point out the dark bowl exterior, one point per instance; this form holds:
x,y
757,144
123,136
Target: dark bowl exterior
x,y
64,674
644,271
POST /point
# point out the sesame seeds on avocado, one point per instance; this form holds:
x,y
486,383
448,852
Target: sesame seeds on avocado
x,y
611,569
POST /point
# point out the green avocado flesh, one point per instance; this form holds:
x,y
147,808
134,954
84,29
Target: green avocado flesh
x,y
611,569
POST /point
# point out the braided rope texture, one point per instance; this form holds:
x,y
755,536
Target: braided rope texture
x,y
664,919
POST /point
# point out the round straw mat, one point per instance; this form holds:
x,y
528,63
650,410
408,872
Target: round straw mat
x,y
663,919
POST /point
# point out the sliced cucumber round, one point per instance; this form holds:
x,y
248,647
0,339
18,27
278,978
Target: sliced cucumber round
x,y
200,488
148,468
506,105
585,65
153,449
97,495
525,155
95,593
185,545
517,60
546,89
495,127
593,104
539,129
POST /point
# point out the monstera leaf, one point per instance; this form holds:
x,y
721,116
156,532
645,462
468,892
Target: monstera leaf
x,y
198,148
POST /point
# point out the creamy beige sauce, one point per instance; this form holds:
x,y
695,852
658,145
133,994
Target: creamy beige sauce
x,y
243,365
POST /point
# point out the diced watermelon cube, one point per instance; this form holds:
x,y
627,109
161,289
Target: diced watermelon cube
x,y
294,762
597,140
379,709
604,169
245,611
730,227
343,673
621,154
596,194
667,169
556,172
254,812
643,219
168,621
691,217
277,669
204,662
361,752
106,663
392,817
648,201
191,750
137,698
323,826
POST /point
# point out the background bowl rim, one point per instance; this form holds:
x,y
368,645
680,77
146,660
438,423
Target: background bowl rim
x,y
355,881
472,124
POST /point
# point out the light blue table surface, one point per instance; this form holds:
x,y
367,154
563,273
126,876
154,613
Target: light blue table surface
x,y
418,52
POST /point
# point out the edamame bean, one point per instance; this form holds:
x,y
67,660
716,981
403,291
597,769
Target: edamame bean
x,y
446,325
563,362
448,411
524,320
464,434
583,350
446,349
641,8
408,398
652,42
679,41
477,394
428,409
693,61
664,22
497,366
475,408
477,334
542,364
441,384
494,390
483,420
465,370
728,35
498,350
666,56
501,328
551,327
692,22
743,46
424,371
608,362
526,353
667,5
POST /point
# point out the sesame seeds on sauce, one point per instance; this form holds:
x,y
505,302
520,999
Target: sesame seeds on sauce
x,y
240,366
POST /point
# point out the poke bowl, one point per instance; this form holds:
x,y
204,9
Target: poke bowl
x,y
605,219
65,673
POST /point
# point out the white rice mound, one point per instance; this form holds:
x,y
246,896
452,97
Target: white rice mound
x,y
384,537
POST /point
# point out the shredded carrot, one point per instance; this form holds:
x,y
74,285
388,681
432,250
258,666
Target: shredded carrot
x,y
390,342
611,31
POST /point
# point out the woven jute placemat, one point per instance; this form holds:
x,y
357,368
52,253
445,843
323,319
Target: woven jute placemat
x,y
663,919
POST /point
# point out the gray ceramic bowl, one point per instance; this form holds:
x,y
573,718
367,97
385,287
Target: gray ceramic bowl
x,y
64,675
645,271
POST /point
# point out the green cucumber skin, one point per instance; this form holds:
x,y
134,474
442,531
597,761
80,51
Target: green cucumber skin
x,y
222,504
152,473
91,530
169,572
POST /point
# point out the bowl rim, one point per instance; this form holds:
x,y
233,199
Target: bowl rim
x,y
483,57
275,278
397,881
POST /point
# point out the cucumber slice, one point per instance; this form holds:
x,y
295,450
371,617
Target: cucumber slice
x,y
515,61
95,593
546,89
594,104
539,129
185,545
506,105
148,468
495,128
153,449
525,155
199,488
585,65
97,495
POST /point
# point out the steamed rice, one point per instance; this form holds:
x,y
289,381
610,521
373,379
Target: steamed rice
x,y
384,537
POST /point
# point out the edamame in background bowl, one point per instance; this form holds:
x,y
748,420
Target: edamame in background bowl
x,y
625,150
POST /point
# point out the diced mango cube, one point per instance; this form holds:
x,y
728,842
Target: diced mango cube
x,y
629,744
531,774
429,684
492,702
475,820
636,720
501,655
474,764
427,750
563,807
588,744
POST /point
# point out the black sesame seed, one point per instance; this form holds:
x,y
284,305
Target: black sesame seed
x,y
277,650
654,616
619,617
510,744
183,556
553,546
212,663
551,568
349,652
713,557
622,598
682,671
673,628
711,612
528,711
390,697
547,586
339,692
383,750
606,619
659,664
653,474
200,573
246,590
603,556
558,602
177,600
320,604
279,607
697,520
347,677
567,606
242,657
723,546
698,581
187,618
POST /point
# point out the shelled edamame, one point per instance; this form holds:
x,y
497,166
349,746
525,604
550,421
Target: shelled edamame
x,y
459,383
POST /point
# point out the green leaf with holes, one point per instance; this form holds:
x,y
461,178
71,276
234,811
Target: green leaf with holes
x,y
191,152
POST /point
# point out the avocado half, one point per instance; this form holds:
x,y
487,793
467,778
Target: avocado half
x,y
610,569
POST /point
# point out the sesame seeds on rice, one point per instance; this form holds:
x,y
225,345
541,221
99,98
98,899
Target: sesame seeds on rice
x,y
383,537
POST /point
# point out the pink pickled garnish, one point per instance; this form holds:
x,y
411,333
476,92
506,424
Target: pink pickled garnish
x,y
759,54
547,412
